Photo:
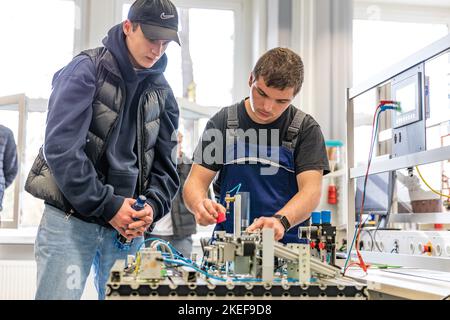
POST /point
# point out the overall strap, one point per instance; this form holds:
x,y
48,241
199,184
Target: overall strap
x,y
291,138
232,120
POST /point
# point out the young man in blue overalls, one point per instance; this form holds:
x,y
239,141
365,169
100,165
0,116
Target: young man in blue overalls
x,y
265,146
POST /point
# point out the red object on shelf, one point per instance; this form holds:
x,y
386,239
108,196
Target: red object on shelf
x,y
221,217
332,194
322,245
313,245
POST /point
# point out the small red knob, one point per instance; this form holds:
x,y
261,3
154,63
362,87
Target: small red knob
x,y
322,245
313,245
221,217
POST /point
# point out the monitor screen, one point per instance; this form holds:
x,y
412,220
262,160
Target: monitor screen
x,y
378,193
407,96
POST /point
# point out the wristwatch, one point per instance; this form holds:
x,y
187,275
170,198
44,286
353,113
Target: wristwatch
x,y
284,221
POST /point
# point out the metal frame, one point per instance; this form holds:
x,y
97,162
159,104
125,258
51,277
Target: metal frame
x,y
407,161
16,103
420,158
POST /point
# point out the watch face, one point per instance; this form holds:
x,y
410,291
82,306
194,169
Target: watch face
x,y
284,221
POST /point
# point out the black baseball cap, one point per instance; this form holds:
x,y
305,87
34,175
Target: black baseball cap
x,y
158,19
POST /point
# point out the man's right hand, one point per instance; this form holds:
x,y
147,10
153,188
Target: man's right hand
x,y
206,212
124,218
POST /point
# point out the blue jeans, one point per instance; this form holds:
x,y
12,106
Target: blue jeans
x,y
184,245
65,250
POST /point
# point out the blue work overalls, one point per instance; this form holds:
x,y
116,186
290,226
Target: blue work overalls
x,y
268,193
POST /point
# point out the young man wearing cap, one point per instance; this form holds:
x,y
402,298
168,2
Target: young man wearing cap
x,y
110,136
266,147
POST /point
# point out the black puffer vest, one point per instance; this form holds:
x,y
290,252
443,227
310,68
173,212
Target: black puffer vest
x,y
108,102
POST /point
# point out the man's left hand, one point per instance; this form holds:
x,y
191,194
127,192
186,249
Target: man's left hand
x,y
268,222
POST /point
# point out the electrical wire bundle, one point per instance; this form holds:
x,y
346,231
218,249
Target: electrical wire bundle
x,y
382,107
429,186
173,258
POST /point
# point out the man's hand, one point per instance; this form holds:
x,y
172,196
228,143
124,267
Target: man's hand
x,y
268,222
206,212
123,220
142,220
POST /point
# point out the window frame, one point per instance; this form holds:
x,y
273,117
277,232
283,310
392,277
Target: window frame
x,y
16,103
24,105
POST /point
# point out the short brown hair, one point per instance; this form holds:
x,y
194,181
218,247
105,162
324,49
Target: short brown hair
x,y
135,25
281,68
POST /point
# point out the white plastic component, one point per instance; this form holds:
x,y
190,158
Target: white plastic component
x,y
151,264
411,248
408,242
420,247
268,254
437,250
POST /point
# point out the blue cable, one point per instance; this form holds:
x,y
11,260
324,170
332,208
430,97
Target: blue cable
x,y
171,261
365,182
193,267
353,242
172,248
382,109
238,187
390,107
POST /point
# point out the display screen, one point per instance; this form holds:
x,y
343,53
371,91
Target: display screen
x,y
407,96
377,193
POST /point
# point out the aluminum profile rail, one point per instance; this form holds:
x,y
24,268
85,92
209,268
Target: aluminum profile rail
x,y
316,265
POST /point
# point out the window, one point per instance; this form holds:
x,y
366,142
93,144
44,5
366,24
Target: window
x,y
380,44
38,39
10,118
384,34
36,42
32,207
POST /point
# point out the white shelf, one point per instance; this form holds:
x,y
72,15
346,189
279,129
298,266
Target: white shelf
x,y
18,236
335,174
412,160
405,260
420,218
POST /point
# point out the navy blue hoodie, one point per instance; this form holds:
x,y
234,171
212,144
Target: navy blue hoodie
x,y
68,121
